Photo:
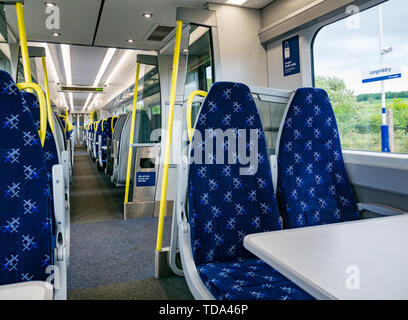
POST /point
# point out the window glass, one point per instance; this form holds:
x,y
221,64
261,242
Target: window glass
x,y
148,104
199,64
5,64
271,114
351,56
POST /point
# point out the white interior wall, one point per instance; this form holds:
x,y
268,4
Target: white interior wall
x,y
242,57
275,63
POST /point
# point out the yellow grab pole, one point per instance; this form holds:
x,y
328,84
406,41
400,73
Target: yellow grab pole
x,y
43,107
132,134
168,136
189,110
47,91
23,42
103,121
66,122
112,127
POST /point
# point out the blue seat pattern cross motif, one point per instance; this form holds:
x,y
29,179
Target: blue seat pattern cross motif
x,y
50,148
313,187
25,219
106,134
224,205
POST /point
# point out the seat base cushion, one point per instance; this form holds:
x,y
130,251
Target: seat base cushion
x,y
248,279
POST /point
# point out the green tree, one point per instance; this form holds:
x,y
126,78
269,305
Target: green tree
x,y
400,114
343,101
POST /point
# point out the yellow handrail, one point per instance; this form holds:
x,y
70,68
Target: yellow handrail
x,y
113,118
43,109
69,125
23,42
132,129
91,116
168,137
103,121
47,91
190,100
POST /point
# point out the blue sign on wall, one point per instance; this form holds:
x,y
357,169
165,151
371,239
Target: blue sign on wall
x,y
291,56
145,179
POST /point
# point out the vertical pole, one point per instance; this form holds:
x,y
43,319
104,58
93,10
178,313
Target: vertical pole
x,y
390,124
169,130
23,42
47,91
132,133
384,127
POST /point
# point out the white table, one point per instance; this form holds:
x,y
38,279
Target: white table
x,y
325,260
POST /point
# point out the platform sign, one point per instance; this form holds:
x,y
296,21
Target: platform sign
x,y
145,179
291,56
381,74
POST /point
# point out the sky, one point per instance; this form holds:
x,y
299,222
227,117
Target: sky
x,y
347,53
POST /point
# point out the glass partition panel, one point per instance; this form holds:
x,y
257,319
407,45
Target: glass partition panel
x,y
199,74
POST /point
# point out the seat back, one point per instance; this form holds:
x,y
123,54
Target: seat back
x,y
313,187
224,204
25,218
50,147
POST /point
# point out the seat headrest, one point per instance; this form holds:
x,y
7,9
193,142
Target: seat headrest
x,y
225,202
313,187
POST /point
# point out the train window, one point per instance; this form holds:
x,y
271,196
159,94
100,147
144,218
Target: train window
x,y
4,47
5,64
20,72
148,102
199,64
271,114
362,63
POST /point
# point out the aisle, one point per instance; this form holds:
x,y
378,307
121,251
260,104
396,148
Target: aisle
x,y
93,197
112,258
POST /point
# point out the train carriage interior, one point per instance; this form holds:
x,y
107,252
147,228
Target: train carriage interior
x,y
203,150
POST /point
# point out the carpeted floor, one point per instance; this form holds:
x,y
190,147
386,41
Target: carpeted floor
x,y
93,196
112,258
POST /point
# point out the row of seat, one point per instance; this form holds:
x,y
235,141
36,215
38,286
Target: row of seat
x,y
34,205
97,137
218,203
104,139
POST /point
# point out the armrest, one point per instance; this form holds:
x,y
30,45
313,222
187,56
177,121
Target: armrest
x,y
62,233
274,170
34,290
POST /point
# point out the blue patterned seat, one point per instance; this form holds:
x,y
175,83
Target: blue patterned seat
x,y
225,205
68,132
313,187
106,134
98,132
25,219
50,147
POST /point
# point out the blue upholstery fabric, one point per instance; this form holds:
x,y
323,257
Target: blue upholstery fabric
x,y
248,279
313,187
50,148
106,134
25,219
224,205
68,133
98,132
